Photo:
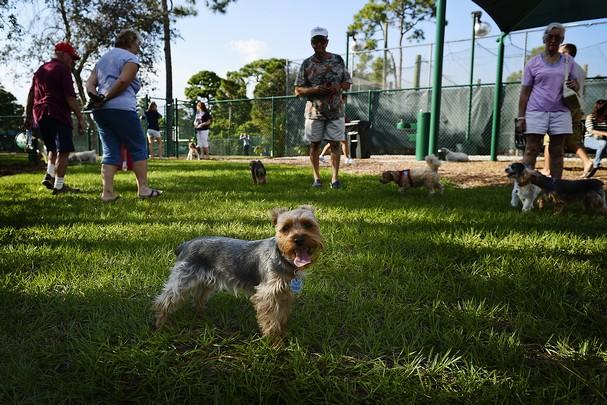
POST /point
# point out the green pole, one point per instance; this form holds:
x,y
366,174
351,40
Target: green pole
x,y
497,96
272,150
437,75
421,139
475,15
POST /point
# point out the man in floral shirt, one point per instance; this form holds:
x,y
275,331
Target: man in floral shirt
x,y
321,79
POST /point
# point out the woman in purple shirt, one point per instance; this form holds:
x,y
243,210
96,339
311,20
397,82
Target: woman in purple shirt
x,y
541,109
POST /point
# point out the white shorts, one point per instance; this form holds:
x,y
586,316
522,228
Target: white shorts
x,y
551,123
202,138
152,133
317,130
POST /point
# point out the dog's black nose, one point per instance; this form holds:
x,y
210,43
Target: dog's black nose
x,y
299,240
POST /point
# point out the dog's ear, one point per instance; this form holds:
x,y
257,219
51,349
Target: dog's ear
x,y
275,213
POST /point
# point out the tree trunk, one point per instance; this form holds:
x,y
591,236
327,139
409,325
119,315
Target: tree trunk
x,y
169,73
385,73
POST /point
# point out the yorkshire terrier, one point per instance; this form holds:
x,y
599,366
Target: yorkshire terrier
x,y
193,152
410,178
522,193
263,269
561,192
258,172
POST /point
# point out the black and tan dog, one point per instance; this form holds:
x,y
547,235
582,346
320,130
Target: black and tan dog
x,y
560,192
258,172
262,269
410,178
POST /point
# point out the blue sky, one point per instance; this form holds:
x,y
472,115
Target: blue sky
x,y
253,29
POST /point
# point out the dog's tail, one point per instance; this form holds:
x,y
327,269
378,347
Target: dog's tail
x,y
433,162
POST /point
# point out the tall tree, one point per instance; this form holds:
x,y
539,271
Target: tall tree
x,y
404,15
9,107
203,85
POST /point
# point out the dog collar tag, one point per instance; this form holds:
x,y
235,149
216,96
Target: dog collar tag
x,y
296,285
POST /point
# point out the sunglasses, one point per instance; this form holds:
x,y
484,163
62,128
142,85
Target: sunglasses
x,y
319,40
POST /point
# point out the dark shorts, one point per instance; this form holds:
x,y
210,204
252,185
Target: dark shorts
x,y
120,127
57,136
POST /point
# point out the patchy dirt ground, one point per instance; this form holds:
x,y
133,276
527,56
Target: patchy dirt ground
x,y
479,171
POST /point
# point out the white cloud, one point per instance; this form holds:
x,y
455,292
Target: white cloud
x,y
250,49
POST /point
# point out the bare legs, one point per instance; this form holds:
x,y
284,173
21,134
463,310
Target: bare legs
x,y
109,171
555,150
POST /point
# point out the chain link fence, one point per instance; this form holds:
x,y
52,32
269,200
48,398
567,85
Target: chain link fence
x,y
275,125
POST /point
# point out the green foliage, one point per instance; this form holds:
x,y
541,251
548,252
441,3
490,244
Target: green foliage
x,y
445,299
203,85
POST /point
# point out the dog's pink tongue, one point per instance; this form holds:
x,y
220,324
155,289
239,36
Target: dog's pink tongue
x,y
301,258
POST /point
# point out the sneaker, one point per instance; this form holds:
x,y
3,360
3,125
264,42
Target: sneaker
x,y
349,161
321,159
592,172
336,185
317,184
48,181
65,189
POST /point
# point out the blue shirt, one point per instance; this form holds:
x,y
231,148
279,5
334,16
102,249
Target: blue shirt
x,y
108,69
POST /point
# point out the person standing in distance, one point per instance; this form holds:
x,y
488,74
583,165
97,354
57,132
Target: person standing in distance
x,y
321,79
49,102
202,124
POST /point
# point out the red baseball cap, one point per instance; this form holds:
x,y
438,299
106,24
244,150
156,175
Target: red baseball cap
x,y
67,48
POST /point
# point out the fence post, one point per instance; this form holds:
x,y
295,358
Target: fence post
x,y
272,151
176,129
497,96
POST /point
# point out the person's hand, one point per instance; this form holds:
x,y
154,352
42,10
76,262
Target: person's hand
x,y
521,124
572,84
81,126
95,101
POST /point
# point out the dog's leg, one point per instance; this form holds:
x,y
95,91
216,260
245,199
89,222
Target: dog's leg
x,y
272,304
527,205
200,296
514,197
173,295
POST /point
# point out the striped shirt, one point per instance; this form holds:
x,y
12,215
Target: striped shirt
x,y
592,124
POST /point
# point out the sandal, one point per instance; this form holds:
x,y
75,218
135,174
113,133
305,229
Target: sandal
x,y
154,193
109,200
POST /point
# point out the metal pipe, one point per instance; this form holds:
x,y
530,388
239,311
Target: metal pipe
x,y
437,76
497,97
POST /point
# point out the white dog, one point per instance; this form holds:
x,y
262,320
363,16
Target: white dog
x,y
525,194
451,156
87,156
192,152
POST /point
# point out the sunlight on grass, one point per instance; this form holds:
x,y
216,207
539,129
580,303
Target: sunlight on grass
x,y
452,298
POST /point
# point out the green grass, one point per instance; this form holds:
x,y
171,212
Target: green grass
x,y
457,298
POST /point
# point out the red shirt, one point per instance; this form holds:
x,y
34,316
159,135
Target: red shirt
x,y
52,84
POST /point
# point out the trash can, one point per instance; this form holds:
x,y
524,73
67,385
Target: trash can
x,y
359,139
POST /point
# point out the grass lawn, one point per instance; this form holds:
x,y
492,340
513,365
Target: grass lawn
x,y
453,298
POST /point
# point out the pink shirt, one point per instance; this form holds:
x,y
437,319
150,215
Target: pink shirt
x,y
546,82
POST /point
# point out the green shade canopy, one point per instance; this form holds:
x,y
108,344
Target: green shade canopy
x,y
515,15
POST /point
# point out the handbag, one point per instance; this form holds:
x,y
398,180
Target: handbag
x,y
570,96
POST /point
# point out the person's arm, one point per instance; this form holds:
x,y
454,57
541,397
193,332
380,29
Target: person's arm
x,y
127,75
29,109
313,90
522,106
590,127
75,107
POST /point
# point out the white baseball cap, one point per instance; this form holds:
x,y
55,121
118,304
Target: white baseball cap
x,y
319,31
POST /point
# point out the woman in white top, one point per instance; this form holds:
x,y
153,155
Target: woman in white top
x,y
596,133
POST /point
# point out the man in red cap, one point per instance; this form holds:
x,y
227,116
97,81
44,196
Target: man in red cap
x,y
49,102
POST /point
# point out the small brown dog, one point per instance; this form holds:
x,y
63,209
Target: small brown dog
x,y
410,178
258,172
193,152
263,269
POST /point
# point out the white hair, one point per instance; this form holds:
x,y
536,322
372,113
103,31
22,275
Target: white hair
x,y
554,26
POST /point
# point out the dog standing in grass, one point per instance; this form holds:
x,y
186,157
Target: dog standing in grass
x,y
560,192
410,178
258,172
263,269
192,152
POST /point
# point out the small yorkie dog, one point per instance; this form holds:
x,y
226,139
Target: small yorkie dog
x,y
192,152
410,178
561,192
258,172
263,269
